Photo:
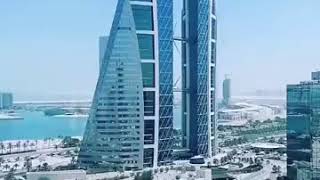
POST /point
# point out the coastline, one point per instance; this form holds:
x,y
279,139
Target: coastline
x,y
4,117
72,116
16,147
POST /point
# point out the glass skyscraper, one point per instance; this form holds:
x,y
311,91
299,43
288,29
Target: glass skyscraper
x,y
6,100
303,130
154,30
154,24
113,138
226,91
199,76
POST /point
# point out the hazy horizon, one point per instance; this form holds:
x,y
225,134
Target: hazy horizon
x,y
49,49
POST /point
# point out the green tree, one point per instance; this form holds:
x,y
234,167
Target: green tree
x,y
10,146
10,175
28,164
45,167
6,166
16,166
2,147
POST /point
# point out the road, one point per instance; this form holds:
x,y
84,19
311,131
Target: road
x,y
38,152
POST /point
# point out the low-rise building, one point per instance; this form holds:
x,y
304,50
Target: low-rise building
x,y
57,175
6,100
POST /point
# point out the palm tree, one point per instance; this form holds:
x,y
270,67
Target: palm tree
x,y
2,147
73,160
6,166
39,167
45,166
25,145
10,175
18,145
28,164
10,147
16,166
1,160
56,147
32,145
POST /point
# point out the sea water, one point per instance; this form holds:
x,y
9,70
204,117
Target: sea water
x,y
36,125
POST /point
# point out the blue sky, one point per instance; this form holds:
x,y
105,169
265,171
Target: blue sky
x,y
49,49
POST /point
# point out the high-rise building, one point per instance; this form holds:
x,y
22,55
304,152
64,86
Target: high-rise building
x,y
316,75
103,42
154,24
154,30
6,100
199,76
113,138
226,90
303,130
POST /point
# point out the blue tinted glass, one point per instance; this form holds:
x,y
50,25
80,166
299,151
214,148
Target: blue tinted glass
x,y
148,74
149,103
146,46
143,0
149,132
143,17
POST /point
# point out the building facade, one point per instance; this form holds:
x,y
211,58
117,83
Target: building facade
x,y
154,24
6,100
303,130
199,76
113,138
103,42
226,91
154,29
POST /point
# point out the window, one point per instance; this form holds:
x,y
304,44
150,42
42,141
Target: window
x,y
212,98
213,52
148,157
143,17
213,28
213,7
149,132
149,103
146,46
143,0
148,74
212,74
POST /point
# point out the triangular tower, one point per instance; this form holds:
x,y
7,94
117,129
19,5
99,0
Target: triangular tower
x,y
113,138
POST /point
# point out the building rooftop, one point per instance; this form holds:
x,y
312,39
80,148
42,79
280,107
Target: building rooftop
x,y
268,145
315,75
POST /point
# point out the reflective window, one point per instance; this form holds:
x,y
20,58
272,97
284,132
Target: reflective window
x,y
146,46
149,132
212,73
213,52
148,157
213,29
212,98
143,0
148,74
143,17
213,7
149,103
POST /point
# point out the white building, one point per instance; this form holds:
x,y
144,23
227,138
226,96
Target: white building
x,y
245,112
57,175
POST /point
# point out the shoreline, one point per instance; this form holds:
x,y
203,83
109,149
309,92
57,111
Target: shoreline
x,y
20,147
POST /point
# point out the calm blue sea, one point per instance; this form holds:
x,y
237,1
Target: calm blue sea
x,y
38,126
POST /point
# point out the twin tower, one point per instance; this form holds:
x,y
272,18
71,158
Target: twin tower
x,y
130,126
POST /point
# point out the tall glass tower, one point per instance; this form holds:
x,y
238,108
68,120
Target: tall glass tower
x,y
113,138
303,130
226,91
198,76
154,24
